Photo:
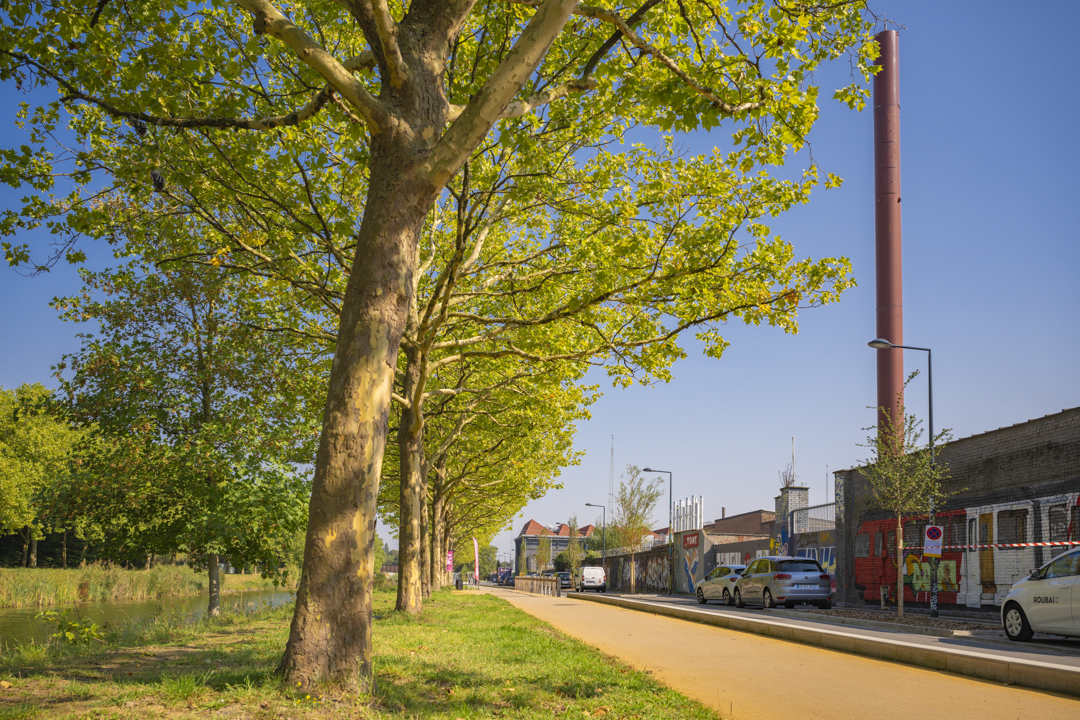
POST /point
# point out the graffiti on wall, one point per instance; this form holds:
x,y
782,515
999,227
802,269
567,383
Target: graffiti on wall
x,y
651,573
967,574
690,568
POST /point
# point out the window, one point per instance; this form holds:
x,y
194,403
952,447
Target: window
x,y
1011,525
862,545
800,566
957,528
1063,566
911,535
1059,524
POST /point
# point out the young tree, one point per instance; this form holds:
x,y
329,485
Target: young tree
x,y
415,90
199,423
632,516
574,551
903,477
543,550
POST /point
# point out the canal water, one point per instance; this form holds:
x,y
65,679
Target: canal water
x,y
19,625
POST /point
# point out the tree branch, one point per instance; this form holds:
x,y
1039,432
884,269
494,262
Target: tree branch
x,y
270,21
387,29
481,114
517,108
613,18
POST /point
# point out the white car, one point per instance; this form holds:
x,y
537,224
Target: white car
x,y
1048,601
590,578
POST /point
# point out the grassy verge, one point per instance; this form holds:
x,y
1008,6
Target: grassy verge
x,y
24,587
466,656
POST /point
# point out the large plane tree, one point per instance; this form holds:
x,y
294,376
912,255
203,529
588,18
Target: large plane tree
x,y
421,85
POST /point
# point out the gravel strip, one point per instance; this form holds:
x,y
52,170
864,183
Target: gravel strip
x,y
916,620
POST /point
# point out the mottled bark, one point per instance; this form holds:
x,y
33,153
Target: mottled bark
x,y
425,544
33,549
412,490
213,608
438,545
330,636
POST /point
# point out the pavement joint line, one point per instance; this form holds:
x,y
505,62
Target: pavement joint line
x,y
983,665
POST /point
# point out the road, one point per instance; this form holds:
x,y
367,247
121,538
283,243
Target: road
x,y
750,677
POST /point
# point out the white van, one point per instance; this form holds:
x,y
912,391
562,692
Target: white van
x,y
590,578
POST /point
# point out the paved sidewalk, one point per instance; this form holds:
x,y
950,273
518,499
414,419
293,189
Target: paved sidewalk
x,y
752,677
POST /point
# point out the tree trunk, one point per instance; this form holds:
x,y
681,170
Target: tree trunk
x,y
149,557
33,548
412,494
899,568
425,545
330,635
438,543
63,551
25,532
213,573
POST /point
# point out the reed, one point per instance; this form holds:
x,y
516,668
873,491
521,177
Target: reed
x,y
27,587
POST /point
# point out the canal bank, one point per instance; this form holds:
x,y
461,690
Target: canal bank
x,y
18,624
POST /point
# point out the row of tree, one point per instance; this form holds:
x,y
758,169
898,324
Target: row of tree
x,y
447,226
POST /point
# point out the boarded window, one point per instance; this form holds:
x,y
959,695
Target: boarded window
x,y
862,545
1011,525
957,530
879,545
1059,524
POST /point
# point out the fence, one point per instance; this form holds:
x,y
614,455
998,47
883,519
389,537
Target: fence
x,y
813,519
538,585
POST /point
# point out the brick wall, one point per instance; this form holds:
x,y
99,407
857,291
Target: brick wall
x,y
1015,484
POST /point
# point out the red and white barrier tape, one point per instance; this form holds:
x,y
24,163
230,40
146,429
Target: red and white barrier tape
x,y
1003,546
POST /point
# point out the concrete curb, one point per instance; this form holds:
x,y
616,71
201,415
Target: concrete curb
x,y
1010,671
875,625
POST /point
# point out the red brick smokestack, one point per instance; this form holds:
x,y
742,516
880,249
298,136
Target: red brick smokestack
x,y
890,290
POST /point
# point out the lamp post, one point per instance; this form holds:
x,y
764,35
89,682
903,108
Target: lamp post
x,y
603,532
881,344
670,531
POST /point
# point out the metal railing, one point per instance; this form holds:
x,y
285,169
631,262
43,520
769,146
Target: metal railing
x,y
813,519
538,585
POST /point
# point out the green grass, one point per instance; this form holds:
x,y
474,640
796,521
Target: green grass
x,y
466,656
25,587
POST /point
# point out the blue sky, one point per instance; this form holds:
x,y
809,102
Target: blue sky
x,y
989,150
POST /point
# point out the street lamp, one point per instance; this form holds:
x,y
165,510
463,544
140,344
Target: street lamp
x,y
882,344
670,531
603,531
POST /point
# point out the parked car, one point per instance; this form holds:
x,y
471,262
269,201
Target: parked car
x,y
719,584
786,580
1048,600
565,580
590,578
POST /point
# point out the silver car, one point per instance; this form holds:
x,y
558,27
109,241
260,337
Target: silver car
x,y
718,585
770,581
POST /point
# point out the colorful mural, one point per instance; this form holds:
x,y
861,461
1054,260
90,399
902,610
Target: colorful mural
x,y
967,574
